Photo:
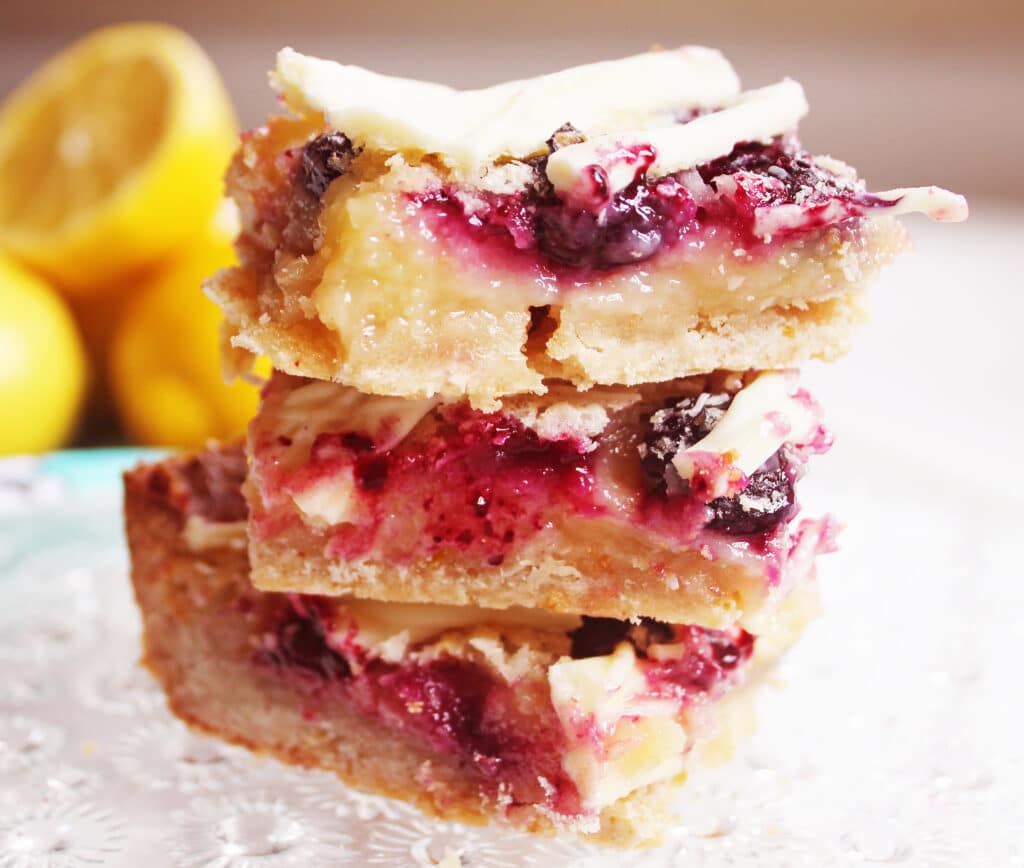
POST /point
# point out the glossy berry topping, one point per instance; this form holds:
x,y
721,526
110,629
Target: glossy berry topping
x,y
768,498
325,158
791,166
758,176
499,480
595,229
631,227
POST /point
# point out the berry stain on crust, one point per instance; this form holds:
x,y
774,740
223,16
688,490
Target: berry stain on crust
x,y
782,173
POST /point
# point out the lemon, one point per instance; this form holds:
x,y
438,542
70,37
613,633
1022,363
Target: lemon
x,y
42,364
164,366
112,155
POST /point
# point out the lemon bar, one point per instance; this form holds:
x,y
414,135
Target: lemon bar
x,y
624,222
675,500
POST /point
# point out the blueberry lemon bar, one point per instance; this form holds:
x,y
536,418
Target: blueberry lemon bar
x,y
542,720
516,525
674,500
624,222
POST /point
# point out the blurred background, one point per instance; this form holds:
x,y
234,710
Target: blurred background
x,y
101,345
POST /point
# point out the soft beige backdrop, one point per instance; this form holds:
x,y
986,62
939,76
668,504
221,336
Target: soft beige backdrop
x,y
910,92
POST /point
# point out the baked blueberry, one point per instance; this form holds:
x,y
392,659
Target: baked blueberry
x,y
325,158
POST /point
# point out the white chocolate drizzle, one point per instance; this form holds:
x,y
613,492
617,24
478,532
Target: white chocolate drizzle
x,y
629,110
757,115
472,128
937,203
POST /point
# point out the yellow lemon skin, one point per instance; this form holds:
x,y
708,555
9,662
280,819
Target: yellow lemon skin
x,y
164,366
43,370
112,155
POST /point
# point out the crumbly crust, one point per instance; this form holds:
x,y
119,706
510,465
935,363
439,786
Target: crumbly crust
x,y
587,566
199,614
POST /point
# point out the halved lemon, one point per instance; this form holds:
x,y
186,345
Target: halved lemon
x,y
112,155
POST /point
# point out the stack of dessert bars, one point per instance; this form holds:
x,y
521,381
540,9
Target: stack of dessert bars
x,y
516,525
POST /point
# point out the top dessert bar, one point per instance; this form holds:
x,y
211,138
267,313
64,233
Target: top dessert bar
x,y
623,222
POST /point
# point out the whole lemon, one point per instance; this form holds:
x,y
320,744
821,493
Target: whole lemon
x,y
42,364
164,366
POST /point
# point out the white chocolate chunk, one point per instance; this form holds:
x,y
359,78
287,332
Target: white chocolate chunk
x,y
622,738
637,753
757,115
201,534
602,687
379,621
326,407
329,501
388,629
322,407
566,413
761,417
